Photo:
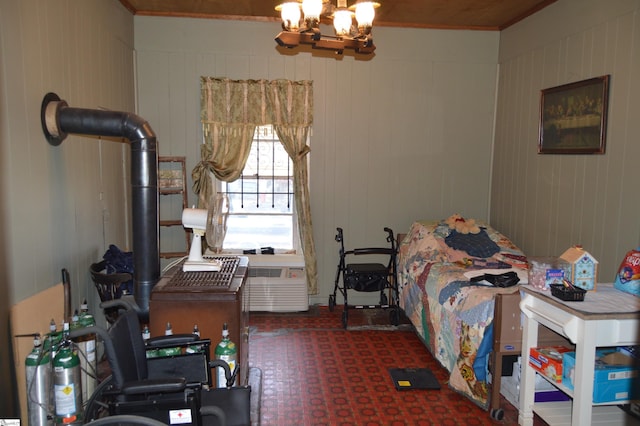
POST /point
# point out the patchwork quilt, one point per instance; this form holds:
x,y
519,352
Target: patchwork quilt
x,y
451,312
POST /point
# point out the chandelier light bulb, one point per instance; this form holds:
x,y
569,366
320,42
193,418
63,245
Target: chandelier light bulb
x,y
342,20
290,13
365,12
312,9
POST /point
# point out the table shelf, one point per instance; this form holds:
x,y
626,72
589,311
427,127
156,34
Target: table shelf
x,y
588,325
559,414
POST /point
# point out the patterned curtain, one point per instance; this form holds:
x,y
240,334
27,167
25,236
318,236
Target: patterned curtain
x,y
230,111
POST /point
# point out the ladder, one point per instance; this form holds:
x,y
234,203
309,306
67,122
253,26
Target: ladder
x,y
172,182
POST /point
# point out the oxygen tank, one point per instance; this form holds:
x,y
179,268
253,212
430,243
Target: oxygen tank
x,y
67,383
228,352
52,340
163,352
192,349
87,348
38,373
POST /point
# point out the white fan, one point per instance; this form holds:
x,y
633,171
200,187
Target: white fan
x,y
212,223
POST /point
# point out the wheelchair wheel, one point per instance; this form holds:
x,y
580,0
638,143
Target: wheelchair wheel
x,y
332,302
126,420
98,405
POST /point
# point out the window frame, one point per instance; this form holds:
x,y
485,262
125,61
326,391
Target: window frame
x,y
221,187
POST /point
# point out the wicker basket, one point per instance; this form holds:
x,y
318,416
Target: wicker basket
x,y
568,294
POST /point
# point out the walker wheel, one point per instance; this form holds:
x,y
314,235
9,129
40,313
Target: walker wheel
x,y
394,315
383,299
345,317
497,413
332,302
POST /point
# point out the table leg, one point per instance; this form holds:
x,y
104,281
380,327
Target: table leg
x,y
584,373
528,374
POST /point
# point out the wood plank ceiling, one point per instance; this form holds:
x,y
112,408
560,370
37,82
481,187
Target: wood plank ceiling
x,y
491,15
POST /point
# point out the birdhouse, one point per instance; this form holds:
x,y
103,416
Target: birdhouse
x,y
583,266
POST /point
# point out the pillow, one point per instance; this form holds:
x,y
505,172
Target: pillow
x,y
422,240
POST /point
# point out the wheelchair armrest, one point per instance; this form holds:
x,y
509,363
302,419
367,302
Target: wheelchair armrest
x,y
229,375
169,385
172,340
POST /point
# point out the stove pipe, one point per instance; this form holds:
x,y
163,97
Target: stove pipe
x,y
59,120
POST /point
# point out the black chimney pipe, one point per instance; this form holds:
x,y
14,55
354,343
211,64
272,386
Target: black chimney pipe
x,y
58,120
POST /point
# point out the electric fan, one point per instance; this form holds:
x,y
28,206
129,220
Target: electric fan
x,y
211,223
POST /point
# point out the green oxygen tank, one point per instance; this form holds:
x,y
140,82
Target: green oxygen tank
x,y
164,352
67,384
226,351
87,348
146,335
38,374
52,339
194,349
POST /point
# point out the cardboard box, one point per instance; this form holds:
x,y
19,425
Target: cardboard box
x,y
614,375
548,361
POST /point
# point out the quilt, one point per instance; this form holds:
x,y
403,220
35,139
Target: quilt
x,y
442,291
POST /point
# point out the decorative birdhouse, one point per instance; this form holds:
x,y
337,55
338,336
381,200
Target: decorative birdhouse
x,y
584,267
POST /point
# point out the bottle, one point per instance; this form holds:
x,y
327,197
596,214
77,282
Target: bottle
x,y
52,339
38,374
193,349
67,384
168,331
228,352
146,334
87,348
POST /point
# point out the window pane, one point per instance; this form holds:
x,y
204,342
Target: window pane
x,y
256,231
274,196
261,201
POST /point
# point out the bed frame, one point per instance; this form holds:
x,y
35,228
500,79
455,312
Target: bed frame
x,y
507,340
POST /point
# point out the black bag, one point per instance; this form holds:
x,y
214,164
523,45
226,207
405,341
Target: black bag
x,y
366,277
508,279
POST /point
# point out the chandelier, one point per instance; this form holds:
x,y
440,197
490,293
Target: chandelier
x,y
301,25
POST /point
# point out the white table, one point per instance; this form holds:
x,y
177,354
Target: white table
x,y
607,317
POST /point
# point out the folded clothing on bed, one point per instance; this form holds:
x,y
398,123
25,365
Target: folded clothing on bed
x,y
476,245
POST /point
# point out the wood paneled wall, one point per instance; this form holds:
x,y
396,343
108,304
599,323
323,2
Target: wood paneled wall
x,y
547,203
62,205
404,136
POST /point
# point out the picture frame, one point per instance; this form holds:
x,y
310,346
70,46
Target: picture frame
x,y
573,117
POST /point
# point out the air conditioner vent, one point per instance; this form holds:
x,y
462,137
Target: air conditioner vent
x,y
277,283
273,272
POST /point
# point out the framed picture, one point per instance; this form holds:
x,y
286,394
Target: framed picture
x,y
573,117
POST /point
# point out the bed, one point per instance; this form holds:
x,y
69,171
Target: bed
x,y
445,274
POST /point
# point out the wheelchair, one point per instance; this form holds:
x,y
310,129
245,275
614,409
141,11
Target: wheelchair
x,y
165,389
367,277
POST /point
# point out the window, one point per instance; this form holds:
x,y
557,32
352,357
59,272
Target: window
x,y
261,203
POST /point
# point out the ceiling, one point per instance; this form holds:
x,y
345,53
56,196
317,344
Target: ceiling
x,y
492,15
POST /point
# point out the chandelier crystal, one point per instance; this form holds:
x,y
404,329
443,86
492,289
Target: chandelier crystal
x,y
301,25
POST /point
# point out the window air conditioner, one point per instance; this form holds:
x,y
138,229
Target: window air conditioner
x,y
277,283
